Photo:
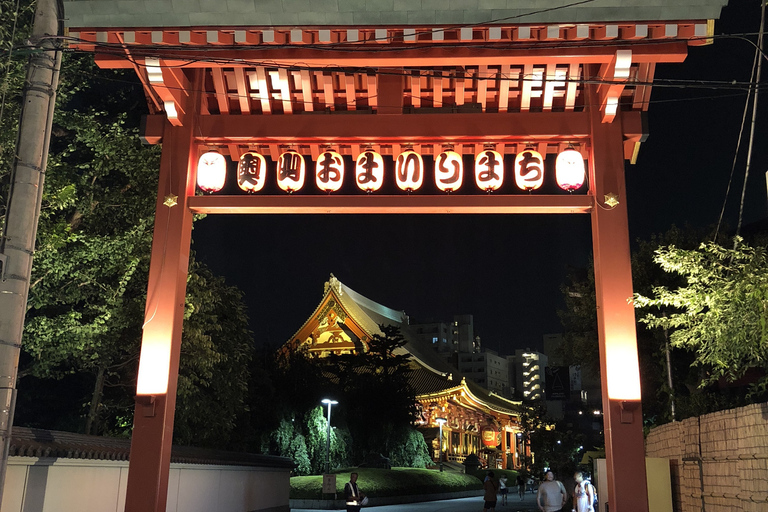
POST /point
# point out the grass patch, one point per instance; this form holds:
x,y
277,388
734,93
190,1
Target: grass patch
x,y
387,482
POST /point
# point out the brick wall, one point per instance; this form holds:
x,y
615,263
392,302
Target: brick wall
x,y
719,461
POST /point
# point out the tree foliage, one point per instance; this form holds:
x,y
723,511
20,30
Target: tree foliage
x,y
720,312
88,287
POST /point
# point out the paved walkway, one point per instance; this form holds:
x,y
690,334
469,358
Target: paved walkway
x,y
474,504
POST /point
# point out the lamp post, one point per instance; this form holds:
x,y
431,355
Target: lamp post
x,y
440,422
330,403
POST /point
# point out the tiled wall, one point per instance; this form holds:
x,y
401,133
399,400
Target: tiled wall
x,y
719,461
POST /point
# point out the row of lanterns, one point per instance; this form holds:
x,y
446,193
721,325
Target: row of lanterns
x,y
409,171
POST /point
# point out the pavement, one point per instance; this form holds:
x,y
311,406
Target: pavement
x,y
473,504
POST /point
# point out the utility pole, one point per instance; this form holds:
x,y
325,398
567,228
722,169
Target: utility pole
x,y
19,230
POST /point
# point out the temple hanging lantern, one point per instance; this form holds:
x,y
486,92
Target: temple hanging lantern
x,y
489,170
211,171
369,171
529,170
449,171
570,171
409,170
490,435
329,171
251,172
291,170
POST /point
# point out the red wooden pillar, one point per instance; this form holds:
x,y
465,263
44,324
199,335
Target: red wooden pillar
x,y
623,418
147,487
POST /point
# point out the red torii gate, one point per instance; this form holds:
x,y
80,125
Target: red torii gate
x,y
506,86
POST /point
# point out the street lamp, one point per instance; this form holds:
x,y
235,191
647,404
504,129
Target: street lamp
x,y
441,422
328,440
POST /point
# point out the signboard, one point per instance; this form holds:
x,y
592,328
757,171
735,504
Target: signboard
x,y
558,383
329,484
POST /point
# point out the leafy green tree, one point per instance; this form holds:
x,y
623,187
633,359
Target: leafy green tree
x,y
88,288
720,313
412,452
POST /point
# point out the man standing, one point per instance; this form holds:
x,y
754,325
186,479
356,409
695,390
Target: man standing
x,y
352,494
552,495
489,496
583,494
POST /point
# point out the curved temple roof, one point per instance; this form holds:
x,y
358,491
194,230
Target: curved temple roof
x,y
170,13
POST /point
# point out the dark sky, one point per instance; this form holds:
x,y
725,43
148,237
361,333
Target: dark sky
x,y
505,270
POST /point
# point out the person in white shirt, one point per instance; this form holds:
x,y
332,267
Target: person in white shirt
x,y
583,494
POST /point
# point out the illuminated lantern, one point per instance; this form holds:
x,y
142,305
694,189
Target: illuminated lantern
x,y
490,435
211,171
409,171
529,170
290,171
569,170
489,170
329,171
251,172
449,171
369,171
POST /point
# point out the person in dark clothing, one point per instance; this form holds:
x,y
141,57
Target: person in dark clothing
x,y
352,494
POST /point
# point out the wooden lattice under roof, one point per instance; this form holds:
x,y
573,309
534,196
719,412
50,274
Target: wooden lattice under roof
x,y
525,69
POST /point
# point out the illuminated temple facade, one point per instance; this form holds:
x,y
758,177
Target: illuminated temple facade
x,y
478,421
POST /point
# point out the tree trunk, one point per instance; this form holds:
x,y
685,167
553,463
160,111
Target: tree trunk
x,y
98,392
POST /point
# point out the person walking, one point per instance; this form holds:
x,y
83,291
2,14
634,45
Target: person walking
x,y
503,489
521,486
552,495
352,494
583,494
490,489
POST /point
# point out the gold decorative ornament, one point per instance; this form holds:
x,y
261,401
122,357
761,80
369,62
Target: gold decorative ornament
x,y
171,200
611,200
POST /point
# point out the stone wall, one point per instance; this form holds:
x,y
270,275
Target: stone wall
x,y
719,461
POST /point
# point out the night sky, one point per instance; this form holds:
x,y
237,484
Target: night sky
x,y
505,270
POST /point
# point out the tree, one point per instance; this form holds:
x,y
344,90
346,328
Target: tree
x,y
721,313
88,288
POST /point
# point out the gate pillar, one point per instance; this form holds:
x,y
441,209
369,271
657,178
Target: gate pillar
x,y
619,367
147,487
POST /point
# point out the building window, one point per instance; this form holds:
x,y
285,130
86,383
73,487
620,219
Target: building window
x,y
434,339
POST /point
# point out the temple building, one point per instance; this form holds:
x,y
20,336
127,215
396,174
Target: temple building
x,y
477,421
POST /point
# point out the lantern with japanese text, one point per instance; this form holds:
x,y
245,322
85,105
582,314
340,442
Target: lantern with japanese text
x,y
369,171
489,170
449,171
490,435
251,172
211,171
529,170
569,170
329,171
291,170
409,171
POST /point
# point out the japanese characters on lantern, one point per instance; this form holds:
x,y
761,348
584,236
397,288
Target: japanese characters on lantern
x,y
489,170
251,172
409,170
569,170
449,171
529,170
329,171
211,171
291,170
369,171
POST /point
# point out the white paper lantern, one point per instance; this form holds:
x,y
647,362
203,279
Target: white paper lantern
x,y
529,170
291,171
329,171
489,170
409,171
369,171
251,172
449,171
569,170
211,171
